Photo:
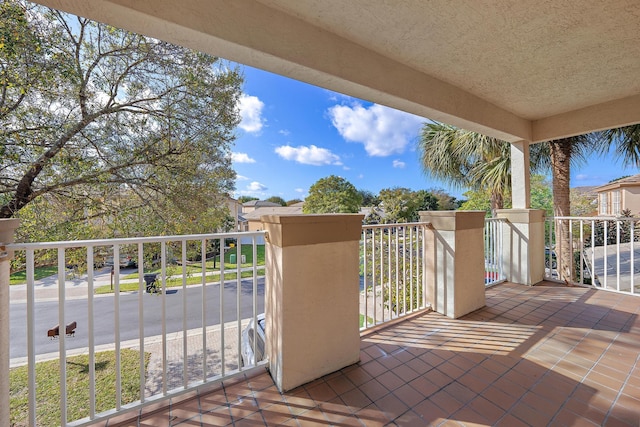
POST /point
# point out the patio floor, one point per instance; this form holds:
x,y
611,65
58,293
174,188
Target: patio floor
x,y
543,355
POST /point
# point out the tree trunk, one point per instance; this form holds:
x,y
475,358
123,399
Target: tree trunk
x,y
561,171
497,202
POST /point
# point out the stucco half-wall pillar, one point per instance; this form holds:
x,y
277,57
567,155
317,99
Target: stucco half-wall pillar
x,y
520,175
523,245
7,233
312,288
454,261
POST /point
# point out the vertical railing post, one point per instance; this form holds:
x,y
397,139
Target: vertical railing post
x,y
7,233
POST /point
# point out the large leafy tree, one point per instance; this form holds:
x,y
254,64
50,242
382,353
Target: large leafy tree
x,y
428,200
399,204
116,125
277,199
444,200
332,194
403,205
369,198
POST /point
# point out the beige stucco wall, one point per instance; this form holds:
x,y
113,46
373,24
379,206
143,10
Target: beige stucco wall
x,y
255,225
631,199
523,245
312,289
455,261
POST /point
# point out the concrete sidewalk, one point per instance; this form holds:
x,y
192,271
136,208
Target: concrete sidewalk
x,y
196,369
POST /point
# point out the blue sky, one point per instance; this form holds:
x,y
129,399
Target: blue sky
x,y
293,134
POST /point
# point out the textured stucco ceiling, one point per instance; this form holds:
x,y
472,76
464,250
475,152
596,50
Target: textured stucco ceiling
x,y
535,58
518,70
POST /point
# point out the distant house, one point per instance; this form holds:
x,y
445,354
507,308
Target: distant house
x,y
619,195
372,214
235,210
253,222
252,205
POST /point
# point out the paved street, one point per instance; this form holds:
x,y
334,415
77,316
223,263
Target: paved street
x,y
620,267
76,309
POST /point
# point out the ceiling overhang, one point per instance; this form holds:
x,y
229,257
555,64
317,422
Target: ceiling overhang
x,y
516,70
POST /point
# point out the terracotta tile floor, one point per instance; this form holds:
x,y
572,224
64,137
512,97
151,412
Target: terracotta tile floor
x,y
547,355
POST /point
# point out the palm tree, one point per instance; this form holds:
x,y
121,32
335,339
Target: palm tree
x,y
469,159
472,160
627,143
559,155
466,160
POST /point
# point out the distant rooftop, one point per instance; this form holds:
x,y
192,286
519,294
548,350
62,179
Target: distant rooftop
x,y
259,203
623,182
272,210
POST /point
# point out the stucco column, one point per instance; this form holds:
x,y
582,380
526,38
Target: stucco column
x,y
523,245
520,175
312,288
454,260
7,232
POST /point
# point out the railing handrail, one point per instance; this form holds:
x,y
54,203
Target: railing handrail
x,y
395,224
592,218
127,240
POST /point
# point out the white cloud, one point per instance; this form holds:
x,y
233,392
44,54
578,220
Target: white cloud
x,y
581,177
256,186
251,113
310,155
299,190
284,132
241,158
242,178
399,164
382,130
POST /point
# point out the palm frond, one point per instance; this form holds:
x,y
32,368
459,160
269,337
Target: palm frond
x,y
627,143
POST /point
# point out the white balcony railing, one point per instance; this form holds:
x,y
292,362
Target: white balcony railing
x,y
188,333
602,252
493,251
392,272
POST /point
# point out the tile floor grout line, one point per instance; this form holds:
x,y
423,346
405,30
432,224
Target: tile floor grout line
x,y
629,375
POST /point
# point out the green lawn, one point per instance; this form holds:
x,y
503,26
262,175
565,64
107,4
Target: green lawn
x,y
196,267
177,282
20,277
48,387
369,320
